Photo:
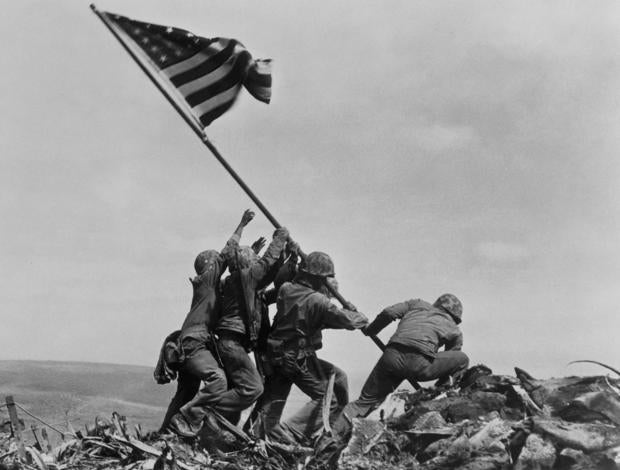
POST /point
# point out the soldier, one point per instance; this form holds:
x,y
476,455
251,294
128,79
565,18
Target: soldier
x,y
195,342
412,352
303,310
238,328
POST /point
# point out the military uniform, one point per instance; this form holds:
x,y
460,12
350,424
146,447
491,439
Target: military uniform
x,y
241,316
199,363
294,339
413,351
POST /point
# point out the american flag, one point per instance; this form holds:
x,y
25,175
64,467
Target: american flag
x,y
206,74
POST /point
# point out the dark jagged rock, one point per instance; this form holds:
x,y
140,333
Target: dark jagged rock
x,y
572,459
576,399
473,374
458,407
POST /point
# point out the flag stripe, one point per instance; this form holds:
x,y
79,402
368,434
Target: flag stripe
x,y
211,116
206,80
197,59
227,96
208,65
233,78
260,93
202,76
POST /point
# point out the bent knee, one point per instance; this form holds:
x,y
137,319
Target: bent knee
x,y
463,360
250,393
216,381
340,378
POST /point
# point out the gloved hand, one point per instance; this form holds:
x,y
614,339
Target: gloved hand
x,y
292,246
259,244
281,232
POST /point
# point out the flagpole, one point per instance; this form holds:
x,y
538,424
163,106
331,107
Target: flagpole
x,y
197,128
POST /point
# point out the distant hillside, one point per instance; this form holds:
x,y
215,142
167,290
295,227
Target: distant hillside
x,y
78,391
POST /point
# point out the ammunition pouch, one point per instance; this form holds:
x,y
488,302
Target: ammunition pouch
x,y
296,348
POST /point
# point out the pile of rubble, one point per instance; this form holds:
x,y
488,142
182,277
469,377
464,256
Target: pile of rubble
x,y
489,422
109,444
496,422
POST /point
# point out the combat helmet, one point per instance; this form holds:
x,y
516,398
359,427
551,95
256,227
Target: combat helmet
x,y
204,260
318,264
451,304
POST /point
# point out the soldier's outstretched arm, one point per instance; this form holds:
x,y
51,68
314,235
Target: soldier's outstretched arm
x,y
261,272
343,318
233,242
246,218
387,316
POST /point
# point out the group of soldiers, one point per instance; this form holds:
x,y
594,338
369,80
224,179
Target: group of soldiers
x,y
229,318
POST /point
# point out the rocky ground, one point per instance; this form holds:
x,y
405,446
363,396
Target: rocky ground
x,y
488,422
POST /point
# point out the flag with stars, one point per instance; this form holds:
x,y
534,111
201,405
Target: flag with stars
x,y
204,75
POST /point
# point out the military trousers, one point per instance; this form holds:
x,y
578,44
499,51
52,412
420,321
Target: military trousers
x,y
399,363
311,375
244,382
200,366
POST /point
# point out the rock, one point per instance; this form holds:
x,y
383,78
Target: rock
x,y
536,454
365,432
433,449
489,438
487,462
427,429
614,454
471,375
573,398
577,460
454,455
429,422
392,407
588,437
602,404
472,406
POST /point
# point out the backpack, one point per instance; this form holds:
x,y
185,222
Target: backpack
x,y
170,359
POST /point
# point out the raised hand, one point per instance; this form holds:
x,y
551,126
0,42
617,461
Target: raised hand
x,y
247,217
281,232
259,244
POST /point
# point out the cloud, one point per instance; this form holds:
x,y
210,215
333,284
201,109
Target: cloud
x,y
502,252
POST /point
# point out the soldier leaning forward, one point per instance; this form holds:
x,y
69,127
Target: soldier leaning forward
x,y
238,328
196,361
303,310
412,352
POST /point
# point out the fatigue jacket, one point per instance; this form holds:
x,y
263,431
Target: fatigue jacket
x,y
243,308
205,299
422,327
302,314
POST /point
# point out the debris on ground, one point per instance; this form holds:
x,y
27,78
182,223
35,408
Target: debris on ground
x,y
490,422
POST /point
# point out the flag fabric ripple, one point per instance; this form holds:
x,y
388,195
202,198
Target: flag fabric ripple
x,y
207,74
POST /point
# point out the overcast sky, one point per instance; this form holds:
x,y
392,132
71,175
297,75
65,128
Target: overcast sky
x,y
429,147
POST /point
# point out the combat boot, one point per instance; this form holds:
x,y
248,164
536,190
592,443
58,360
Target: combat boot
x,y
215,436
183,427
